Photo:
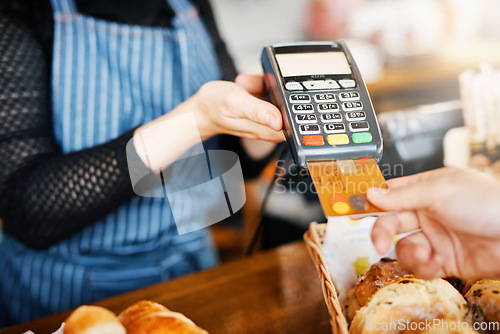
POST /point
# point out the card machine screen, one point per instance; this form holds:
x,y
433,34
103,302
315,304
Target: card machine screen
x,y
312,63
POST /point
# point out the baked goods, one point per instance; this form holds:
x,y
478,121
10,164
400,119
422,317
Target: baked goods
x,y
484,305
411,299
351,305
146,317
388,295
131,313
462,285
93,320
378,275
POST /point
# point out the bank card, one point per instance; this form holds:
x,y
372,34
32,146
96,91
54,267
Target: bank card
x,y
342,185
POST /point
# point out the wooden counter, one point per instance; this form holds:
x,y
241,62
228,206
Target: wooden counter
x,y
271,292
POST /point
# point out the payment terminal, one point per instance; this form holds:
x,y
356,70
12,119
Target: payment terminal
x,y
327,112
328,121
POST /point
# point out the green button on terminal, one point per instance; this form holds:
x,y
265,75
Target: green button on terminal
x,y
362,137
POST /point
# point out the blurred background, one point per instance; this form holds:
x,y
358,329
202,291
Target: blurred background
x,y
411,54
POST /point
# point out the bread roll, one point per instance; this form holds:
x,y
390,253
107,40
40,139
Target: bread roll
x,y
146,317
93,320
351,305
138,309
378,275
462,285
408,299
484,305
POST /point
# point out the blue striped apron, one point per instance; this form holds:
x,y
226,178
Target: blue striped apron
x,y
109,78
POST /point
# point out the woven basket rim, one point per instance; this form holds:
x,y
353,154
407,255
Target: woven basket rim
x,y
313,239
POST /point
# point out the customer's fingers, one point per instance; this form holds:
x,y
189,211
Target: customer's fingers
x,y
414,195
420,177
416,252
403,181
387,227
382,233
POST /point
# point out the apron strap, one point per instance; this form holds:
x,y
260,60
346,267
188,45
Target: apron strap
x,y
63,6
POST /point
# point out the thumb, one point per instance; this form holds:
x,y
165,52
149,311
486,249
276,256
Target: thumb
x,y
410,197
254,84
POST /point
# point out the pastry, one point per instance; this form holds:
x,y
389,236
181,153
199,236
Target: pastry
x,y
351,305
409,299
146,317
93,320
377,276
462,285
484,306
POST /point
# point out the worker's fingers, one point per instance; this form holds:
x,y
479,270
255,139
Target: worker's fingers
x,y
240,104
225,101
254,84
245,128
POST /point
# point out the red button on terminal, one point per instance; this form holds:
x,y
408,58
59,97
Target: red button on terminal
x,y
313,140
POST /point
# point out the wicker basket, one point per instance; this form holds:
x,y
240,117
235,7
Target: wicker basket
x,y
313,239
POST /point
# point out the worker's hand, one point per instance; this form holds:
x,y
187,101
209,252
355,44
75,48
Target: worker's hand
x,y
458,212
219,107
237,109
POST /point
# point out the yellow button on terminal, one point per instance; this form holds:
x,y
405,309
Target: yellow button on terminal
x,y
338,139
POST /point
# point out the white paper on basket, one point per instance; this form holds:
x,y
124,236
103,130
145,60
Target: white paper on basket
x,y
349,251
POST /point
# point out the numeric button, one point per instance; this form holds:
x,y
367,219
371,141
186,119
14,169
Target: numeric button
x,y
355,116
328,107
300,98
352,106
306,118
302,108
349,96
325,97
334,128
331,117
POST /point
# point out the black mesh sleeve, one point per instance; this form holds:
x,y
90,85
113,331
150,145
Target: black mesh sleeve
x,y
46,196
